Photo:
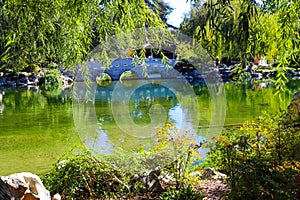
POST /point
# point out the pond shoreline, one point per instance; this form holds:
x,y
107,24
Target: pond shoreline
x,y
225,73
32,79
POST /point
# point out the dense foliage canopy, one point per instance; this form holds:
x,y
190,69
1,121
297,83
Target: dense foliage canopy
x,y
240,29
49,33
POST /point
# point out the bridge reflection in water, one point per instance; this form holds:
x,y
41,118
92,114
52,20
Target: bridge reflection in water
x,y
147,92
128,117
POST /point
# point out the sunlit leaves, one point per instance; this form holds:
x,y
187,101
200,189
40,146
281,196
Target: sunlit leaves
x,y
244,28
46,33
261,158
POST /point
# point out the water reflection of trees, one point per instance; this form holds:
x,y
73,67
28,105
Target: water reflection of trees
x,y
244,101
36,126
29,106
45,121
140,104
248,100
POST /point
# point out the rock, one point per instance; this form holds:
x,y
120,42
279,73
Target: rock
x,y
294,106
26,74
30,196
209,173
257,76
11,83
166,180
56,197
67,81
2,81
42,72
151,180
22,81
33,81
213,186
294,73
219,176
297,74
26,186
5,192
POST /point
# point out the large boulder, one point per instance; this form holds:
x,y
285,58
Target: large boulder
x,y
26,186
294,107
5,192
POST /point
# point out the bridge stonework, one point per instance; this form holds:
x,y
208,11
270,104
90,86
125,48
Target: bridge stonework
x,y
120,65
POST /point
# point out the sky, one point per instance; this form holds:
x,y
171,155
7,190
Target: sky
x,y
180,7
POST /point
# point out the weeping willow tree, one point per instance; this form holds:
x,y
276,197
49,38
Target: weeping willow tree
x,y
47,33
244,28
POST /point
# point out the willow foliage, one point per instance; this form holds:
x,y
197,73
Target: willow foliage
x,y
245,28
47,33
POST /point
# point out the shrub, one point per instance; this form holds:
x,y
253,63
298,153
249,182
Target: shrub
x,y
81,176
240,74
51,80
181,194
261,159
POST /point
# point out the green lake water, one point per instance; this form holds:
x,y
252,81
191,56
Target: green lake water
x,y
36,126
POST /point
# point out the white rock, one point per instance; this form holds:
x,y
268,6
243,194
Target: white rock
x,y
56,197
26,185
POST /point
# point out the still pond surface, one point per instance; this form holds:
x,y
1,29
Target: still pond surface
x,y
37,126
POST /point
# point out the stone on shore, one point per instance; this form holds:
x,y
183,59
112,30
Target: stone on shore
x,y
26,186
56,197
5,192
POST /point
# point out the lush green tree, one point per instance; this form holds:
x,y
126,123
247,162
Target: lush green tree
x,y
225,28
244,28
48,33
161,7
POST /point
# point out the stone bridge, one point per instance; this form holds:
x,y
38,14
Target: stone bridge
x,y
154,67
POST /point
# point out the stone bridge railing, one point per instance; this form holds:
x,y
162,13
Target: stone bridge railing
x,y
120,65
